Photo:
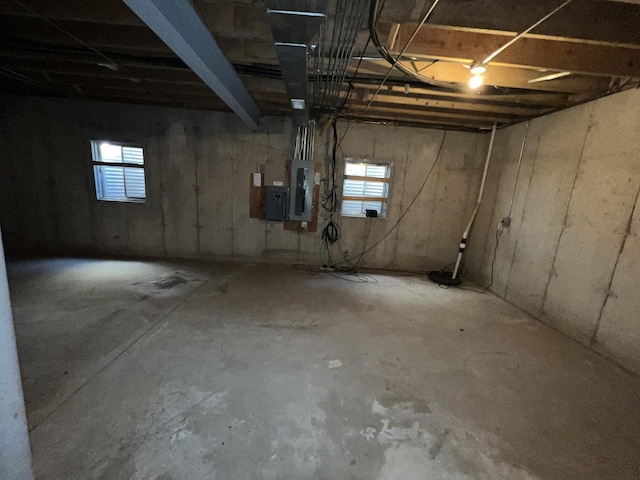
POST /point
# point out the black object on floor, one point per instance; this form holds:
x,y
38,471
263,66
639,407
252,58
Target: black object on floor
x,y
443,277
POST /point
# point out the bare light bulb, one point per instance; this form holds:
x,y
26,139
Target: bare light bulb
x,y
476,81
478,69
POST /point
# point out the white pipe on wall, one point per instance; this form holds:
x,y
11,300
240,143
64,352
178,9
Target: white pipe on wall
x,y
465,234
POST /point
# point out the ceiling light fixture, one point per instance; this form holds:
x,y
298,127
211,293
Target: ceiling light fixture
x,y
478,69
476,81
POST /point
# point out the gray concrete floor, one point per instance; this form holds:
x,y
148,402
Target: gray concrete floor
x,y
161,370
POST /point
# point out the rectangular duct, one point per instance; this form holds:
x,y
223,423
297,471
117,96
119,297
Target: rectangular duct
x,y
294,24
293,63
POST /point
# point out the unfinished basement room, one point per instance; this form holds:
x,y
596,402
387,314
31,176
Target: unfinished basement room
x,y
320,240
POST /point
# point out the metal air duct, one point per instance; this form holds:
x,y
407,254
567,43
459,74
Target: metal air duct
x,y
294,23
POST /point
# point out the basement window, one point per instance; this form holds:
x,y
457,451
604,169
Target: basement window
x,y
118,170
365,187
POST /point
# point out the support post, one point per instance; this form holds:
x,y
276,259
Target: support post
x,y
15,451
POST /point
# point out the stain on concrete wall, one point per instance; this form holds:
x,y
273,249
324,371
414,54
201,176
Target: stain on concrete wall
x,y
568,257
198,165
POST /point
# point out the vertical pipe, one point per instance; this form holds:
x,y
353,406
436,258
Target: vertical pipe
x,y
465,234
15,452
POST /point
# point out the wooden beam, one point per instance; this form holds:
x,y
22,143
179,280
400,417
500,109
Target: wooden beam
x,y
396,111
53,65
528,52
87,65
496,76
533,99
417,110
125,83
595,21
124,38
113,12
130,96
425,121
450,104
34,29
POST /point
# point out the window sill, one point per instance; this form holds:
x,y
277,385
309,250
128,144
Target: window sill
x,y
122,200
379,217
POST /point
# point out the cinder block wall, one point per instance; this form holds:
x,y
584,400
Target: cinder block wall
x,y
198,175
571,257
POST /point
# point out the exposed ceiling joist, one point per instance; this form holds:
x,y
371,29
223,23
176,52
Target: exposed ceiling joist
x,y
538,99
592,20
403,118
428,101
180,27
31,28
585,58
497,76
56,48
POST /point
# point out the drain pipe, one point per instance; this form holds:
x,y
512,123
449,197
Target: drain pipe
x,y
465,235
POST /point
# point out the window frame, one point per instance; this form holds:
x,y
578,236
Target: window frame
x,y
98,176
384,201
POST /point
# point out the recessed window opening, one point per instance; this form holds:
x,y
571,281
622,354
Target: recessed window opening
x,y
118,170
365,187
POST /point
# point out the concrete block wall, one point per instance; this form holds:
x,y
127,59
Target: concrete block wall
x,y
198,167
570,257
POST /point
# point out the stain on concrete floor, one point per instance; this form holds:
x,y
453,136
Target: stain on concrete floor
x,y
170,282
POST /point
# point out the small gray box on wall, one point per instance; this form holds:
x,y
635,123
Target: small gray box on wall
x,y
300,203
277,203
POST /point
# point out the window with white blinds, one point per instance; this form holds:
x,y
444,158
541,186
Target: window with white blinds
x,y
118,170
365,187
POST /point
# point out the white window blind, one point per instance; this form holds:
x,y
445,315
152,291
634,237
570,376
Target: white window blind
x,y
118,171
365,187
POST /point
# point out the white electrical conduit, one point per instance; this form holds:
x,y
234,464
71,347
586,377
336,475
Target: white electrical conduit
x,y
304,142
521,34
465,235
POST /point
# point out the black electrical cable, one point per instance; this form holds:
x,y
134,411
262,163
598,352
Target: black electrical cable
x,y
374,13
330,195
461,273
331,232
355,75
342,274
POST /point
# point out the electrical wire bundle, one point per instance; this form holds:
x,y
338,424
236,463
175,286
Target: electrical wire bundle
x,y
330,201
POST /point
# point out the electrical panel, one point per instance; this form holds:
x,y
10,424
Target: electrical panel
x,y
302,178
277,204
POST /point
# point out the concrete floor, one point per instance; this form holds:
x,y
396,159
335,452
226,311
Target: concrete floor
x,y
160,370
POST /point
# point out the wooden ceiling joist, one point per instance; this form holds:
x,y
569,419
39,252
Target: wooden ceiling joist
x,y
467,46
591,20
596,40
